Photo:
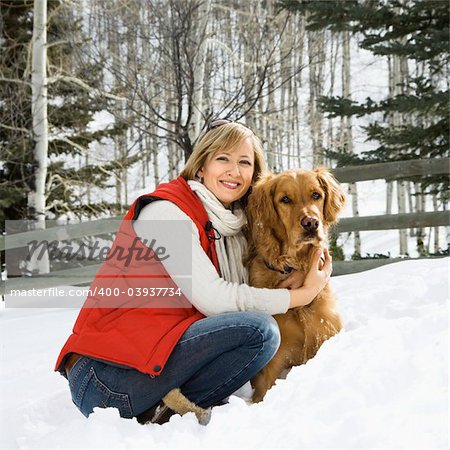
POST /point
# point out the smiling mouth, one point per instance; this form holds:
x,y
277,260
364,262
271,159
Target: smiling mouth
x,y
230,184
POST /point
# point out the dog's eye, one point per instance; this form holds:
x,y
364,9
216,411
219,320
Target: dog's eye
x,y
316,196
285,199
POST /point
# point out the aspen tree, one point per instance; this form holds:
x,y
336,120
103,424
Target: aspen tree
x,y
316,62
347,131
199,69
399,80
297,85
37,196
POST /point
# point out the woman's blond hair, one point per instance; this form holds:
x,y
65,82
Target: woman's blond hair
x,y
223,137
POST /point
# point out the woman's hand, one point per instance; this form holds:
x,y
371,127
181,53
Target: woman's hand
x,y
315,280
296,279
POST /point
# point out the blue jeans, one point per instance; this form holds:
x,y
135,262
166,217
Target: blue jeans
x,y
214,357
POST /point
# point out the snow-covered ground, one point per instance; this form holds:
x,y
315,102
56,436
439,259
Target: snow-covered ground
x,y
381,383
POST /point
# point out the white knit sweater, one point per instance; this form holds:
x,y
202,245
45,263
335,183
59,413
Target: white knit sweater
x,y
210,293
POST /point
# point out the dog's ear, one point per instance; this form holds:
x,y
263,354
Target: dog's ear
x,y
260,208
335,197
261,214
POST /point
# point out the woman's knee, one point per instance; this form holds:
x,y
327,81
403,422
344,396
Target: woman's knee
x,y
267,327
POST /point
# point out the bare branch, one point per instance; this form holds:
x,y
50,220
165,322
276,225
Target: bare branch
x,y
15,80
85,86
23,130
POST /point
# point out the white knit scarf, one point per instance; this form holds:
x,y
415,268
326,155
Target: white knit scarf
x,y
231,246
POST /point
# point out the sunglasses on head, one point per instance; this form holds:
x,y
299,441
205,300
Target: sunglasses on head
x,y
217,123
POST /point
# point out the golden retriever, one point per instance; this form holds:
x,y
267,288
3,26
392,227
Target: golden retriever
x,y
289,215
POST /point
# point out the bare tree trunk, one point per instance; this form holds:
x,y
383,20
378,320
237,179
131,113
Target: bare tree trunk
x,y
411,205
447,228
400,76
297,84
36,198
419,195
88,187
420,232
286,132
316,55
269,118
391,88
118,183
401,199
406,119
389,192
334,50
124,170
199,66
254,119
154,145
116,61
172,158
435,229
145,162
347,129
395,88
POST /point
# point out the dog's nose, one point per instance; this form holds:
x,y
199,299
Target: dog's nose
x,y
310,223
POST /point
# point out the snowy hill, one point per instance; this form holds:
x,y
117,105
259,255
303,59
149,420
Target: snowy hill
x,y
381,383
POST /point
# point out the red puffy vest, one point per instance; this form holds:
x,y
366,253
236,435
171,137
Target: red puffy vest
x,y
131,330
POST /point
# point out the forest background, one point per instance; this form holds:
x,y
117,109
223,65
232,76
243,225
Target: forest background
x,y
101,100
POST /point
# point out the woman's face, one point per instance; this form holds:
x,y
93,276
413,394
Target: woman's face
x,y
228,174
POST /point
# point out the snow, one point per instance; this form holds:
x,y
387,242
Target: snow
x,y
100,121
381,383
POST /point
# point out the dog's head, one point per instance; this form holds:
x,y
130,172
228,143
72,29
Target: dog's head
x,y
297,206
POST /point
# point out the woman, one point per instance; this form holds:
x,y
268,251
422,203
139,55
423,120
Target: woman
x,y
152,361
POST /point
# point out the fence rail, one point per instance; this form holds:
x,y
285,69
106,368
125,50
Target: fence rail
x,y
361,265
394,221
393,170
388,171
62,232
84,275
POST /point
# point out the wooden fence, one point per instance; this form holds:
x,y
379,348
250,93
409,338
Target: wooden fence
x,y
388,171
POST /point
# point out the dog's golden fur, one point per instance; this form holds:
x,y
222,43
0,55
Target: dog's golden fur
x,y
279,235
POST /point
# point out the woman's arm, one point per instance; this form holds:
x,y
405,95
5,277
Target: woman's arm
x,y
207,291
315,280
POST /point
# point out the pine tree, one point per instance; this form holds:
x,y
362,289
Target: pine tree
x,y
74,97
416,29
412,122
16,24
78,177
